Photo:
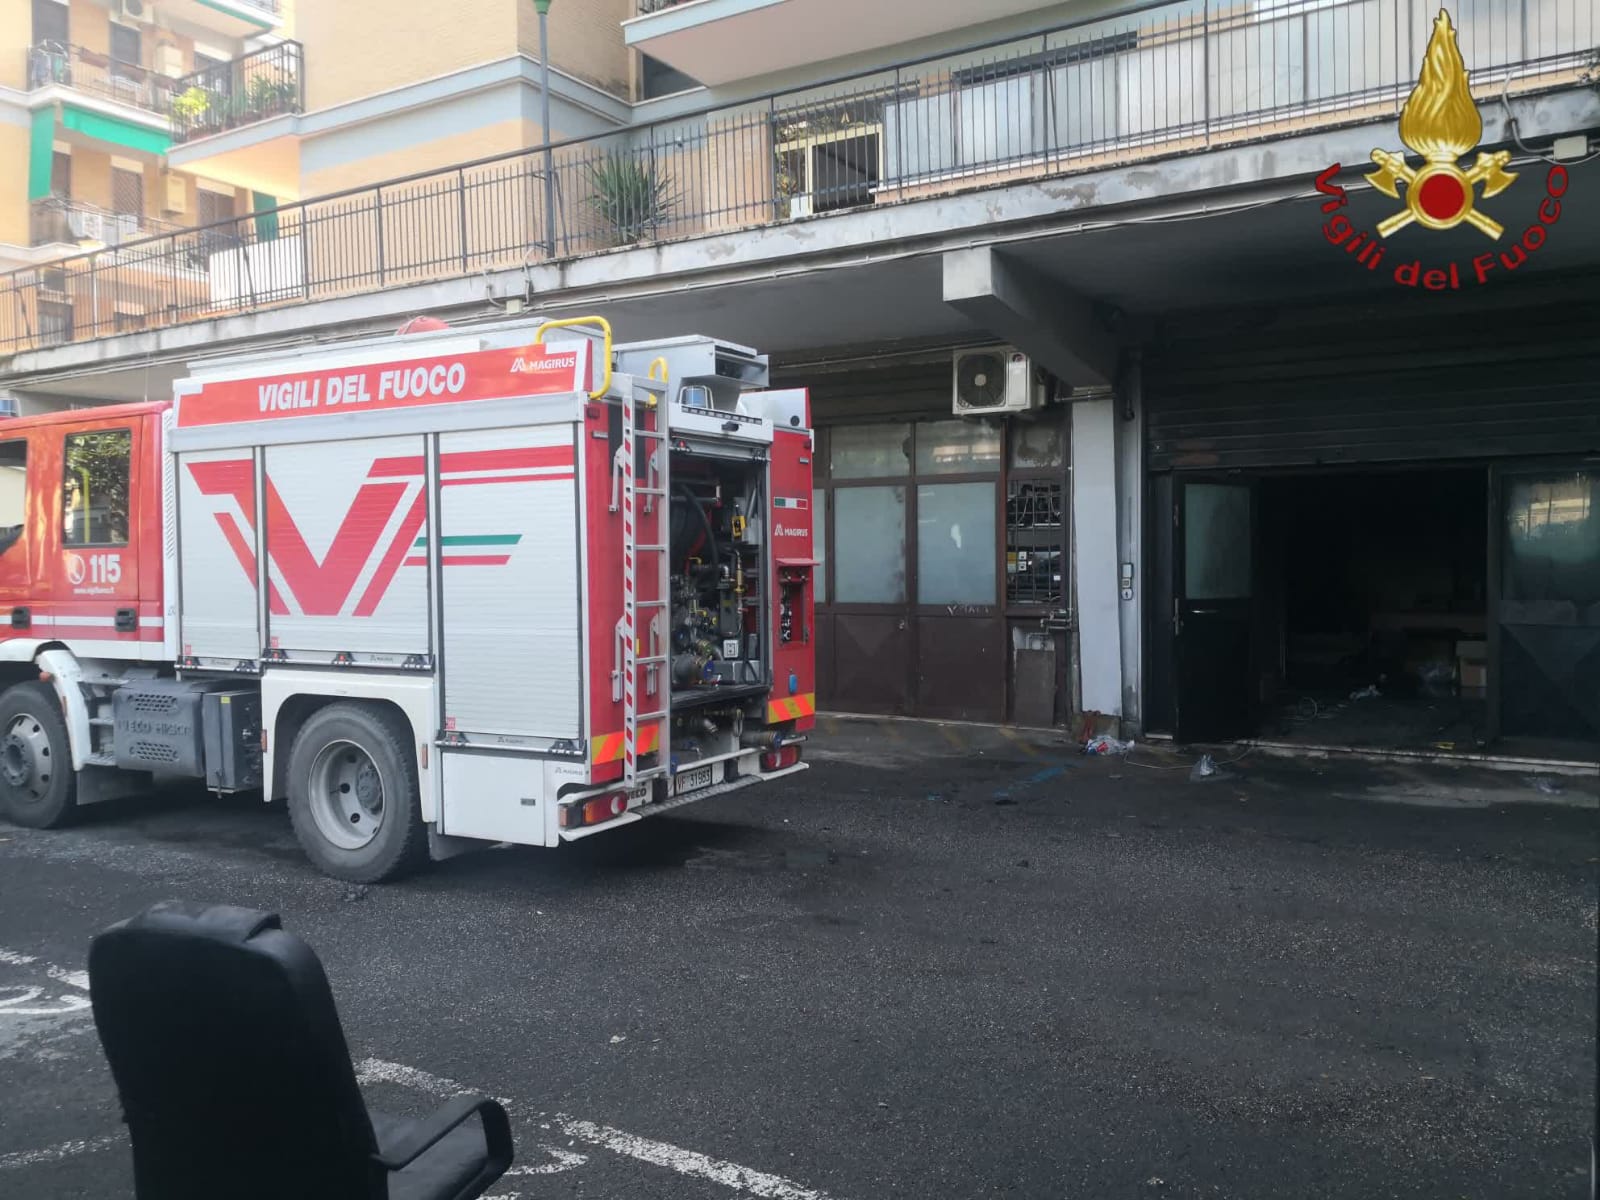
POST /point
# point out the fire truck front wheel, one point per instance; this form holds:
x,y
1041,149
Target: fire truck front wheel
x,y
353,794
38,787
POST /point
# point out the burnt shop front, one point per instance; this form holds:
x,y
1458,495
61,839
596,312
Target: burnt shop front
x,y
1377,529
944,585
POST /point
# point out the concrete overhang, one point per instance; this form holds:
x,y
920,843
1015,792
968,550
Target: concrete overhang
x,y
235,18
1053,325
722,41
1227,229
264,157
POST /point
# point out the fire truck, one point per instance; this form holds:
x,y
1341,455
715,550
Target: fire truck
x,y
478,585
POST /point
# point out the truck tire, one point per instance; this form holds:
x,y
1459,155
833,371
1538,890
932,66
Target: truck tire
x,y
353,794
38,787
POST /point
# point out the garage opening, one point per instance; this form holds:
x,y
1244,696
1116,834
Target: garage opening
x,y
1372,624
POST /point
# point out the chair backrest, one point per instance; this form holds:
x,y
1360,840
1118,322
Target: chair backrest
x,y
227,1051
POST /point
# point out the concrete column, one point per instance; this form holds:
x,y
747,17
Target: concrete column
x,y
1130,543
1095,546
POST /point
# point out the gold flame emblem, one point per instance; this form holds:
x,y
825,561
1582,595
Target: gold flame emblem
x,y
1440,122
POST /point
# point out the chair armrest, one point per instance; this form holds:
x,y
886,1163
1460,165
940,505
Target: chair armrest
x,y
496,1133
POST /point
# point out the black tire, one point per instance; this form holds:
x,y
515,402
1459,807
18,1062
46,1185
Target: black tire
x,y
362,745
38,787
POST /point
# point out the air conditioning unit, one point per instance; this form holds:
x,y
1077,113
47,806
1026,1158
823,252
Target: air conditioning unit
x,y
86,226
994,380
135,12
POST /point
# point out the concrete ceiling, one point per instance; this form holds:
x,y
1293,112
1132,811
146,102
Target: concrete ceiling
x,y
721,41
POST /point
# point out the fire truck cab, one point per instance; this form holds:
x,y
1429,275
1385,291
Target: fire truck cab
x,y
512,583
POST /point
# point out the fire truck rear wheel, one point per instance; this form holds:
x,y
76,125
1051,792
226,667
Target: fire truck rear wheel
x,y
353,795
38,787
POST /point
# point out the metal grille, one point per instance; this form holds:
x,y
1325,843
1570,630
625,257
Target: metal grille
x,y
153,752
127,192
1035,541
1146,82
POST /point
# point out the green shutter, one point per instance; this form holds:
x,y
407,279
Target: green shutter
x,y
41,147
267,223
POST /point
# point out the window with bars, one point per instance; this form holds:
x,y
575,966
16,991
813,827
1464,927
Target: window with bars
x,y
212,207
127,192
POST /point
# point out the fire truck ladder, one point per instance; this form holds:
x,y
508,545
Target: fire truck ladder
x,y
646,586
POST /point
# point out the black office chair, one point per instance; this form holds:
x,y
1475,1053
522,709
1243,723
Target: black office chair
x,y
235,1079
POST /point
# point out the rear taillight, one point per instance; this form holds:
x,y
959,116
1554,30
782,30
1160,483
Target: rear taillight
x,y
594,811
783,756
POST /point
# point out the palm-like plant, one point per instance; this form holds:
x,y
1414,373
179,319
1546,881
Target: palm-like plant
x,y
630,195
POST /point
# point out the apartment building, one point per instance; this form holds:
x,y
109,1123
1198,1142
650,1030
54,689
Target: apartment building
x,y
85,94
1092,300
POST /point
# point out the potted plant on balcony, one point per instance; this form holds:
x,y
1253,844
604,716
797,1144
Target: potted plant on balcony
x,y
630,196
788,188
191,109
269,97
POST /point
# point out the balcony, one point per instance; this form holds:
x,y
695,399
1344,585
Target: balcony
x,y
722,41
53,64
58,220
255,87
1149,84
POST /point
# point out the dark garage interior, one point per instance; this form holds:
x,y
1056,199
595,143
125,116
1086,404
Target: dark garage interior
x,y
1372,627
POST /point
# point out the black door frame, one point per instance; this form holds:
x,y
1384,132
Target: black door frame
x,y
1162,548
1236,608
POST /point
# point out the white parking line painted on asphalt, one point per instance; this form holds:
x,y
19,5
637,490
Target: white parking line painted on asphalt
x,y
560,1160
687,1162
49,1154
77,979
660,1154
18,1000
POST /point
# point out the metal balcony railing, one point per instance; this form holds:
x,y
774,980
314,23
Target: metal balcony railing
x,y
251,88
1153,81
98,74
60,220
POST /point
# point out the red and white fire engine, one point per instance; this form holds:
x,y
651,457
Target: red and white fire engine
x,y
466,586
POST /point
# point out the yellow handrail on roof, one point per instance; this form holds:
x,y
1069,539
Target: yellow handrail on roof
x,y
570,322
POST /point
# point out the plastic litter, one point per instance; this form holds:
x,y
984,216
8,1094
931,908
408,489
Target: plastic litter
x,y
1105,744
1370,692
1205,770
1548,786
1438,678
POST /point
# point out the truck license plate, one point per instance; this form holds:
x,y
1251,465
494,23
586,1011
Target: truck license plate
x,y
691,780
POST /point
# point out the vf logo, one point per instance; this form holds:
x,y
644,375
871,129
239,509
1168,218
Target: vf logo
x,y
75,569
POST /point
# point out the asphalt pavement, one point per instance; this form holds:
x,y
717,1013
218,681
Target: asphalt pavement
x,y
945,962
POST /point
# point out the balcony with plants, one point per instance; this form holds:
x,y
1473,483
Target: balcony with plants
x,y
253,88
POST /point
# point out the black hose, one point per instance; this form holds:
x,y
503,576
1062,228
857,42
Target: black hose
x,y
711,535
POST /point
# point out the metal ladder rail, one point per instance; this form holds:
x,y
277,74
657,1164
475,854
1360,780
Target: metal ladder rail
x,y
637,543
